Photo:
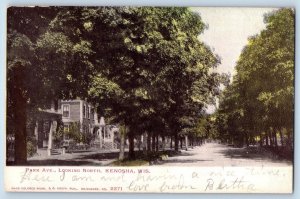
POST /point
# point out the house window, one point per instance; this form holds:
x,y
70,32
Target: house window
x,y
88,112
66,110
83,111
66,128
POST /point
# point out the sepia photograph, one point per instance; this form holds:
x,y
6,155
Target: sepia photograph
x,y
151,87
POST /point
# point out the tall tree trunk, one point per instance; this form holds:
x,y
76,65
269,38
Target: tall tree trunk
x,y
131,154
290,139
145,143
261,139
186,142
148,141
139,142
171,143
122,144
271,139
267,139
275,137
20,126
163,143
281,137
247,139
181,143
153,142
176,140
156,144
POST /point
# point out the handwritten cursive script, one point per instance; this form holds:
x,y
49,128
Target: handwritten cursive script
x,y
32,176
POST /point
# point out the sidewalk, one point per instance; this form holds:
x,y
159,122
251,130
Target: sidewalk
x,y
93,158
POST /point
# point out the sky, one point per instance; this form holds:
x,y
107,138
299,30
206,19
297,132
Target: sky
x,y
228,32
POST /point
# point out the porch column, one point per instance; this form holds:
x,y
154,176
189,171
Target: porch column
x,y
102,130
91,130
112,135
96,118
100,137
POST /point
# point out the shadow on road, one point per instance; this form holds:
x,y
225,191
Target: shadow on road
x,y
255,153
206,154
100,156
180,153
183,161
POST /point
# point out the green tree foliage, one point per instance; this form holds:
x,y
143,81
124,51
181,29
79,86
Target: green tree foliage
x,y
144,67
58,136
74,132
23,79
41,67
259,103
158,73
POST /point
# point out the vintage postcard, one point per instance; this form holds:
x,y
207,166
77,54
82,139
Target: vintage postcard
x,y
150,99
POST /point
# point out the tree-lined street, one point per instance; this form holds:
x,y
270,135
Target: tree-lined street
x,y
207,155
147,71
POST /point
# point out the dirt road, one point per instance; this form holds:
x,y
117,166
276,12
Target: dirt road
x,y
214,154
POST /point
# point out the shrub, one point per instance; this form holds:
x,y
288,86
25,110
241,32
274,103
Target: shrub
x,y
31,147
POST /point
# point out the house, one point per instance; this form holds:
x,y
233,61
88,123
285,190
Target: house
x,y
78,111
68,112
85,114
